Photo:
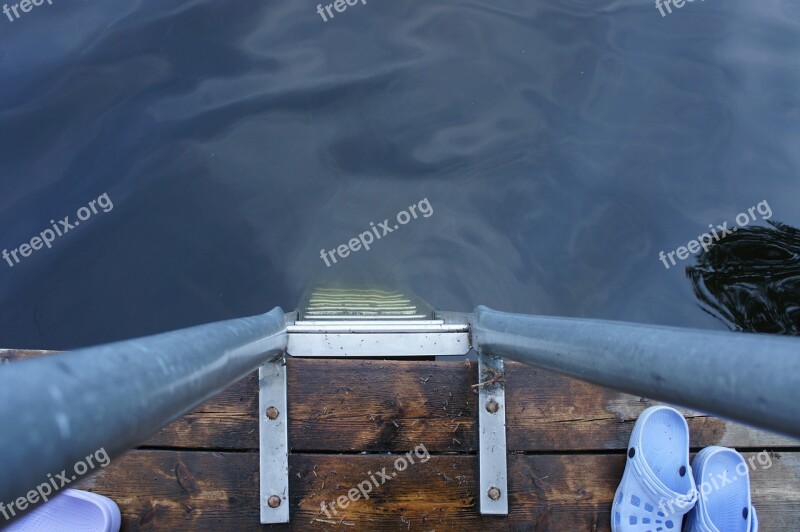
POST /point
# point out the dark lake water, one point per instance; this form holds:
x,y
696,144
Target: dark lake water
x,y
561,145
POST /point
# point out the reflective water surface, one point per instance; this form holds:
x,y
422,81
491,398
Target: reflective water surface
x,y
561,145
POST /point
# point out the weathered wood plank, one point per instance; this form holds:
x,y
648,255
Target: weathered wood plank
x,y
373,406
547,411
171,490
346,405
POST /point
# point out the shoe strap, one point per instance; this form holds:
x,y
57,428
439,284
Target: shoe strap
x,y
681,503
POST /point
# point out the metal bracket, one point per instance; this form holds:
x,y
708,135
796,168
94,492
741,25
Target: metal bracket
x,y
273,427
492,436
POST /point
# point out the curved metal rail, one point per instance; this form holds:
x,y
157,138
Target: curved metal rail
x,y
752,378
57,410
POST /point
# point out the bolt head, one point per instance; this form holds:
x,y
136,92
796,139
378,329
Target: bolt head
x,y
492,406
272,412
274,501
494,493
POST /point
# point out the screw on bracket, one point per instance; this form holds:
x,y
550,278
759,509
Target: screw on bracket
x,y
272,413
494,493
274,501
492,406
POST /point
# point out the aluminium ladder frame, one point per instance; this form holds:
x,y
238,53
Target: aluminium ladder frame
x,y
446,334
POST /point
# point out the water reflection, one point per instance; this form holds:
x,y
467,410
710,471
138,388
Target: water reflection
x,y
751,279
561,144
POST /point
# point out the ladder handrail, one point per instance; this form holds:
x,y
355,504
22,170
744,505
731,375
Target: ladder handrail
x,y
56,410
746,377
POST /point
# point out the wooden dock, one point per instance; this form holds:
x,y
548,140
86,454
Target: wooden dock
x,y
566,440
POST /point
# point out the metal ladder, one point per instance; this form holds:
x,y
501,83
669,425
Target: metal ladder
x,y
375,323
